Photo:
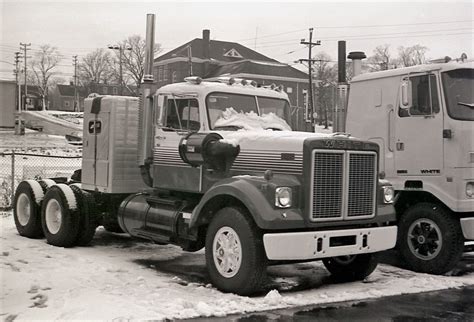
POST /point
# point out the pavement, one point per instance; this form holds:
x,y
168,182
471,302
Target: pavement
x,y
446,305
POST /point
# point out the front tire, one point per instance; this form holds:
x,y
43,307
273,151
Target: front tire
x,y
27,210
430,239
60,216
235,256
351,268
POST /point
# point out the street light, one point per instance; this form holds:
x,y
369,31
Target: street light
x,y
121,49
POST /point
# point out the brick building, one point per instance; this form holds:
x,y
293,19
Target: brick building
x,y
210,59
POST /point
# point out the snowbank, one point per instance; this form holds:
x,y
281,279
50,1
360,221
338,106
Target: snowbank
x,y
120,278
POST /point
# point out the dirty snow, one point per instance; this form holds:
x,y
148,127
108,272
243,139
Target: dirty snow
x,y
251,121
121,278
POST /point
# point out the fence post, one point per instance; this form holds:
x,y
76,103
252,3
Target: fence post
x,y
13,177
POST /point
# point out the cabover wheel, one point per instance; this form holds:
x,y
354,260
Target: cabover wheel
x,y
27,209
430,239
235,257
89,220
60,217
352,267
110,221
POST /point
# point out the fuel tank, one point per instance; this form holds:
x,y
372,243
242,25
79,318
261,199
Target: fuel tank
x,y
146,216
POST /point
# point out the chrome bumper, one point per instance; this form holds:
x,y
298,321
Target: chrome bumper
x,y
330,243
467,225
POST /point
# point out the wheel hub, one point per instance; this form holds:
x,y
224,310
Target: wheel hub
x,y
23,209
424,239
227,252
53,216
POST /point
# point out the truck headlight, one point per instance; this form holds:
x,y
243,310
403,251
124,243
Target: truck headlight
x,y
283,197
470,189
388,194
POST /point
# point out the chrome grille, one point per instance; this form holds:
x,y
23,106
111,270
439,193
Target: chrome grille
x,y
362,176
343,185
327,185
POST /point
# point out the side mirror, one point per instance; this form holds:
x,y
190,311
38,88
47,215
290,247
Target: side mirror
x,y
405,94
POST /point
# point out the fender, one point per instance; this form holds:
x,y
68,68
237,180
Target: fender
x,y
256,194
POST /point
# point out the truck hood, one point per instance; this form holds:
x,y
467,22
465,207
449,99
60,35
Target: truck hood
x,y
269,140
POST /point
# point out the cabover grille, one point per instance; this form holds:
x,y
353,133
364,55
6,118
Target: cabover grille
x,y
343,185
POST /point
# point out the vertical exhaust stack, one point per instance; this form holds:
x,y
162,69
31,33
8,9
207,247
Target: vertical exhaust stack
x,y
356,57
339,118
145,111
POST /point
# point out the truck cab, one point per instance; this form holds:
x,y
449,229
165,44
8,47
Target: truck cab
x,y
422,118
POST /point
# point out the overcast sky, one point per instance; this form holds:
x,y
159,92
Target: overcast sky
x,y
273,28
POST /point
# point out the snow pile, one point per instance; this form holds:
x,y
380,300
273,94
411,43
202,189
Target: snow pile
x,y
251,121
119,278
233,142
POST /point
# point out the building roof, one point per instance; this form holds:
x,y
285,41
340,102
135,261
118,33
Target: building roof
x,y
223,51
258,68
66,90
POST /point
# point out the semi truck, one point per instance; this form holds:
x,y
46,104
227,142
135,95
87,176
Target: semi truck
x,y
215,165
422,119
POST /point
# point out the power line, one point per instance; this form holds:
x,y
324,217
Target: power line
x,y
361,26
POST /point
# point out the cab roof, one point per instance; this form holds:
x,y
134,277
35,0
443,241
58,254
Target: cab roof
x,y
206,87
443,67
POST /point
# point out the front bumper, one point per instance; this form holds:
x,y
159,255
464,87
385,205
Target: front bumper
x,y
330,243
467,225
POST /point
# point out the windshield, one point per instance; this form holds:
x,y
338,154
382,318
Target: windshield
x,y
458,89
221,106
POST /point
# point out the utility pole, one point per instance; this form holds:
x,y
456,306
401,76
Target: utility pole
x,y
310,45
25,48
17,79
76,104
121,49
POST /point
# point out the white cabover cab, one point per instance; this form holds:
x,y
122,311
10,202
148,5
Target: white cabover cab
x,y
109,161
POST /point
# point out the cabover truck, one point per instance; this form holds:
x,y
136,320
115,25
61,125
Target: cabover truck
x,y
215,165
422,119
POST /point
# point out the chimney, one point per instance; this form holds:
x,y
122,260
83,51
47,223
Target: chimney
x,y
356,57
341,51
206,37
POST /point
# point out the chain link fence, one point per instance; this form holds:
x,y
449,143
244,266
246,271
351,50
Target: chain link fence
x,y
16,167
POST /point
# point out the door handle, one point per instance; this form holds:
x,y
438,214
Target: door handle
x,y
400,146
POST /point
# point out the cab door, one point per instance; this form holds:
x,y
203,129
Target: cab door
x,y
178,117
419,128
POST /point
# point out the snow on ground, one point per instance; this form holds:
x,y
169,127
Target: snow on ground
x,y
121,278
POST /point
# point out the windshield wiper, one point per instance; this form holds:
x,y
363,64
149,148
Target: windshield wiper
x,y
471,105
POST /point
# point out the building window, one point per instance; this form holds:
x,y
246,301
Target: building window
x,y
104,89
174,77
115,89
165,73
160,73
289,90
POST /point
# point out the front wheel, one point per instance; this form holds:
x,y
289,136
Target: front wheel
x,y
430,239
235,256
352,267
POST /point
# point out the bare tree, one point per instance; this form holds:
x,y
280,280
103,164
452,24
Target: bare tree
x,y
325,74
42,65
381,59
95,68
410,56
133,60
